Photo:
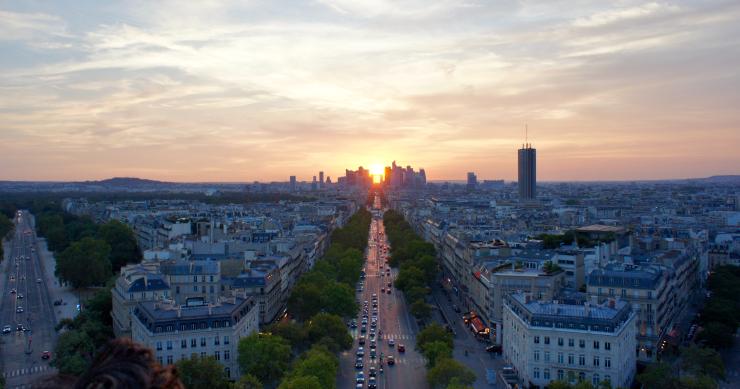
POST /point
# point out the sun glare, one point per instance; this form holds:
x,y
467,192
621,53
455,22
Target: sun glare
x,y
377,171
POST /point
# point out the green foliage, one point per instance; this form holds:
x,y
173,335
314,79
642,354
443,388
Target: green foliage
x,y
435,351
247,381
302,382
446,370
73,352
84,263
122,241
721,315
433,333
264,356
317,362
421,310
702,361
324,325
200,372
549,267
295,333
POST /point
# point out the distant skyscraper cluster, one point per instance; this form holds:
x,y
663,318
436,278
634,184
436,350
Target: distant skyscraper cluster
x,y
399,177
359,177
472,180
527,172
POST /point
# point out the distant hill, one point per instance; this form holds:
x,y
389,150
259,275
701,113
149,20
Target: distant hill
x,y
726,179
126,182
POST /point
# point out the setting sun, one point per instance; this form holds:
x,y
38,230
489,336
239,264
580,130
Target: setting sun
x,y
377,171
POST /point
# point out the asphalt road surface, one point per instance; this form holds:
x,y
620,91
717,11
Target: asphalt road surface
x,y
25,303
394,322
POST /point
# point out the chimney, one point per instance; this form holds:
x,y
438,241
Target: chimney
x,y
527,298
179,311
612,303
587,309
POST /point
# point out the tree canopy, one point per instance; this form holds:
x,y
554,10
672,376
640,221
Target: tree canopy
x,y
84,263
264,356
197,372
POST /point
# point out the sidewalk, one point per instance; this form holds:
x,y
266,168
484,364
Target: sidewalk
x,y
68,310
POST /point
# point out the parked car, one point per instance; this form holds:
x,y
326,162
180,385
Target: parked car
x,y
46,355
7,329
401,348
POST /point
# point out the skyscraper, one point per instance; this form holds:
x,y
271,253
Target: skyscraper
x,y
527,172
321,179
472,180
292,183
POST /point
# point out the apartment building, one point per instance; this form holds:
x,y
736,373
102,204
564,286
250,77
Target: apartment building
x,y
177,332
137,283
549,341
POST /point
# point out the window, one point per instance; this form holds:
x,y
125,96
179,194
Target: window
x,y
177,289
211,288
228,372
537,339
536,372
608,378
217,355
169,359
227,355
159,346
546,374
211,278
571,342
607,362
560,341
216,341
596,344
203,342
193,342
582,360
547,356
203,354
561,374
611,292
184,343
597,361
195,278
202,278
581,343
195,288
547,340
595,380
169,345
607,346
159,360
226,340
581,376
624,292
571,359
560,358
571,376
536,355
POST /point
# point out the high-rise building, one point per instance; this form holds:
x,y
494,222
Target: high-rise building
x,y
472,180
321,179
527,172
314,184
292,184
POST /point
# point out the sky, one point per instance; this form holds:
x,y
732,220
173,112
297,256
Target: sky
x,y
260,90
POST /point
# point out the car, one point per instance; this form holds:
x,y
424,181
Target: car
x,y
19,295
361,339
12,291
352,324
391,360
12,278
372,384
38,280
363,329
372,371
389,284
361,352
401,348
360,377
46,355
455,308
358,363
359,386
374,324
388,291
19,327
382,290
496,348
373,354
391,342
19,309
375,295
7,329
58,302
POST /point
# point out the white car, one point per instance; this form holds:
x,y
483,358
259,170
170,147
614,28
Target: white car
x,y
7,329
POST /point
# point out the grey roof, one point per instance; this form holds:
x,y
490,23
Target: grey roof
x,y
181,267
642,277
151,282
163,317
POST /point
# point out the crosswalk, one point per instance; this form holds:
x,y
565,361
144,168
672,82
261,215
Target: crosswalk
x,y
26,371
356,333
400,361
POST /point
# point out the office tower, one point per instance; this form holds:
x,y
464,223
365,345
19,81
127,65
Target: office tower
x,y
527,172
472,180
292,183
321,179
422,177
314,183
387,175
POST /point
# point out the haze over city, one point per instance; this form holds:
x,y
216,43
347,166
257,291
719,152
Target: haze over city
x,y
221,91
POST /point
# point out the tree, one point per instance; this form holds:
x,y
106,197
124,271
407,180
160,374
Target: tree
x,y
717,335
122,241
455,383
319,363
304,300
73,353
200,372
431,333
436,350
248,381
264,356
421,310
657,376
84,263
339,299
445,370
302,382
293,332
702,361
325,325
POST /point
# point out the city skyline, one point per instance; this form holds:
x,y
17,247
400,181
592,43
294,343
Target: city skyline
x,y
222,92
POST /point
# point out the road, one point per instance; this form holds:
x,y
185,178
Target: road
x,y
25,302
394,323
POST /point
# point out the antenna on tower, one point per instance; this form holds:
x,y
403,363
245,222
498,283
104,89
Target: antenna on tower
x,y
526,134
